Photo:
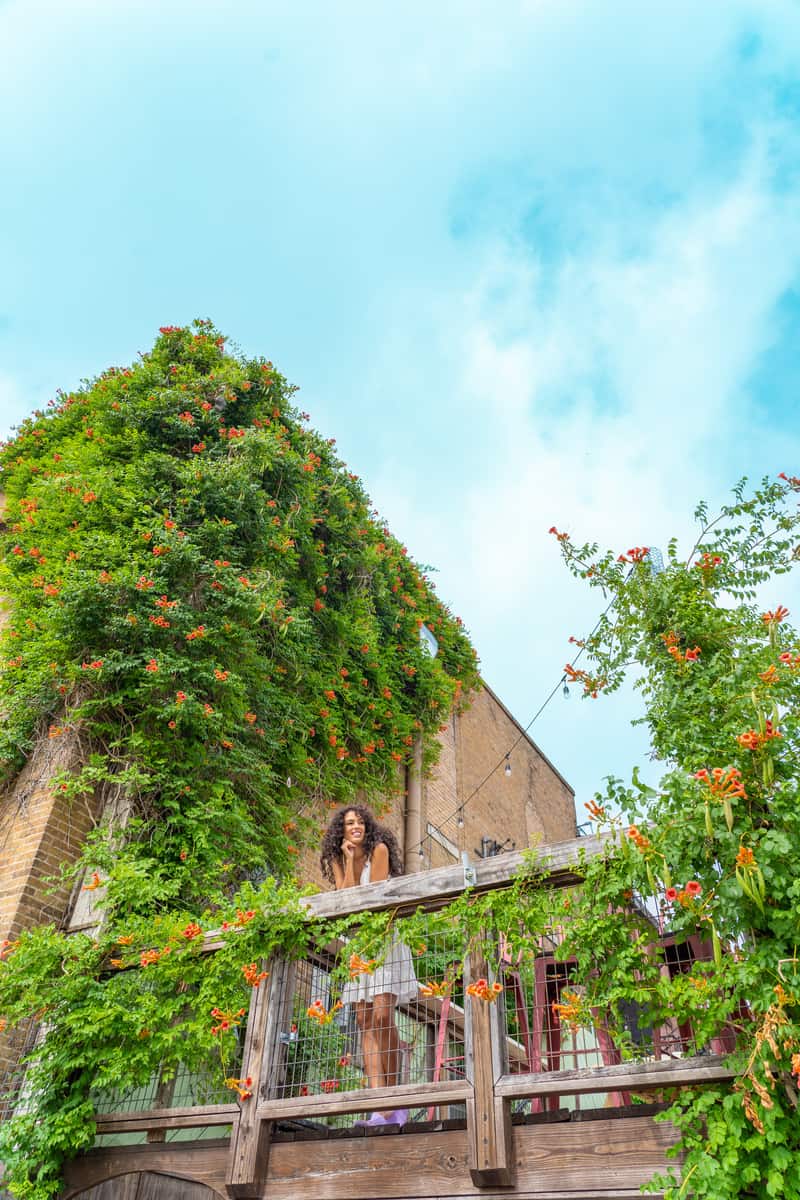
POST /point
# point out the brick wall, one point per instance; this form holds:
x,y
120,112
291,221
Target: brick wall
x,y
533,805
39,831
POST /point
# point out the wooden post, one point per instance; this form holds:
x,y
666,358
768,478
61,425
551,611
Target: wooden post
x,y
162,1099
489,1136
249,1153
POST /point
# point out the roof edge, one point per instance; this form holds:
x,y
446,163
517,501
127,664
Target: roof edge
x,y
524,733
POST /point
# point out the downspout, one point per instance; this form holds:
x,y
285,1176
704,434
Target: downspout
x,y
412,839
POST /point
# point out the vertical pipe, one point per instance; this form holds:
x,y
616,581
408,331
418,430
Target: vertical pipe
x,y
413,821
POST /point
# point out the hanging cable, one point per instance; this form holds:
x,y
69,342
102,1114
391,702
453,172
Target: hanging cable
x,y
504,761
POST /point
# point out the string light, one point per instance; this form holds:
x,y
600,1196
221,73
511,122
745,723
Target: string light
x,y
505,760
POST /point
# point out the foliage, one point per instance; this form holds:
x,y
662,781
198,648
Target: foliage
x,y
710,853
715,845
202,599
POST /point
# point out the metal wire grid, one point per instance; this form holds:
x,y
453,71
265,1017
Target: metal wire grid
x,y
546,1019
330,1026
185,1088
19,1042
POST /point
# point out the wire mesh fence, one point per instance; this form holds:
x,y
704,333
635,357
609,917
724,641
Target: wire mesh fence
x,y
359,1015
347,1024
553,1025
351,1023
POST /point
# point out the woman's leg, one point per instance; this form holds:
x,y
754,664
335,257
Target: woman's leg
x,y
387,1037
371,1049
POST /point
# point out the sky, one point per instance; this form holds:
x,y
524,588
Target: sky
x,y
531,263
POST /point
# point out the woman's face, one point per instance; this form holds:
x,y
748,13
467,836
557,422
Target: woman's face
x,y
354,828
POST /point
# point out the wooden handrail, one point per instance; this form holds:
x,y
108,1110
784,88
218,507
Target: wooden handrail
x,y
630,1076
557,863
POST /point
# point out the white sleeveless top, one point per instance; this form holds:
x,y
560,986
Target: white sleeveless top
x,y
394,976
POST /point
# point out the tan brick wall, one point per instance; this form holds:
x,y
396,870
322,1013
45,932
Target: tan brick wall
x,y
39,831
532,805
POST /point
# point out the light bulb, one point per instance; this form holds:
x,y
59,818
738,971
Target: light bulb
x,y
565,690
460,819
507,767
421,852
288,781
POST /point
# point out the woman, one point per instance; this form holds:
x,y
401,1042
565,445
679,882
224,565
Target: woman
x,y
357,850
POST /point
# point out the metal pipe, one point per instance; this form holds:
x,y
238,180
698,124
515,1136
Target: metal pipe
x,y
413,822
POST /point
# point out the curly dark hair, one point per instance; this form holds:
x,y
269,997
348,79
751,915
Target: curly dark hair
x,y
373,834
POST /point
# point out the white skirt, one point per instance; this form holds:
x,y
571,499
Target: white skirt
x,y
395,975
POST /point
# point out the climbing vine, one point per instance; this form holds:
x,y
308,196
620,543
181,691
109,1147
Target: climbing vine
x,y
198,586
203,603
200,591
714,845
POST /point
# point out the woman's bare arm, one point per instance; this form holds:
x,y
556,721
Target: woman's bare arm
x,y
343,876
379,864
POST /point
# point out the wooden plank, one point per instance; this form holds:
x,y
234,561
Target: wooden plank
x,y
564,1161
490,1153
163,1097
196,1162
637,1077
407,1095
247,1166
168,1118
557,862
552,1162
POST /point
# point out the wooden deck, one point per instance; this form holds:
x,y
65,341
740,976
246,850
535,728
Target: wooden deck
x,y
275,1146
555,1158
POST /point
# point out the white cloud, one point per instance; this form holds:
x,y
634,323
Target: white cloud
x,y
14,404
617,401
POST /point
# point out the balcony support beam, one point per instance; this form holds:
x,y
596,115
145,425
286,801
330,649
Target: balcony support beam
x,y
490,1146
250,1138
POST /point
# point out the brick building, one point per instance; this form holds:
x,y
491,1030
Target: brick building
x,y
456,807
40,830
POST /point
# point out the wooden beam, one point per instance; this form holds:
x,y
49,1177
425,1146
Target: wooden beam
x,y
558,865
406,1095
630,1076
564,1161
167,1118
247,1166
489,1138
608,1160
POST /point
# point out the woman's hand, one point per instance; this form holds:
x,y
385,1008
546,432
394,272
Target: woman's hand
x,y
348,850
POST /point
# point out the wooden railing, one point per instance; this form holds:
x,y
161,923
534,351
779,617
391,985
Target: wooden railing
x,y
492,1076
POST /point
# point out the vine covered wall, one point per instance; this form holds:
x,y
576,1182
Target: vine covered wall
x,y
199,585
199,593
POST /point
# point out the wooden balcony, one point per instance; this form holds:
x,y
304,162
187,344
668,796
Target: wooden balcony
x,y
502,1102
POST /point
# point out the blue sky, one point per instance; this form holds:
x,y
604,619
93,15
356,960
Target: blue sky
x,y
530,263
